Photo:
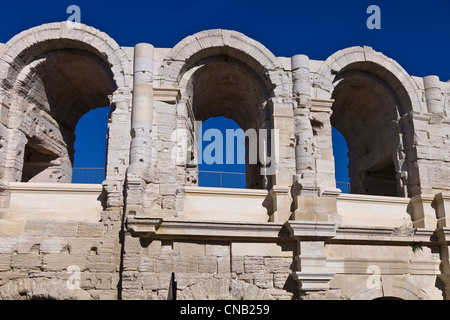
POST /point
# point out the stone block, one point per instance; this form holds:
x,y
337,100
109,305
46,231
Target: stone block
x,y
150,281
260,249
8,245
207,265
90,230
103,281
132,245
101,263
131,262
10,228
54,245
278,265
223,265
28,262
263,281
45,228
192,249
237,264
5,263
253,264
176,264
218,249
147,264
59,262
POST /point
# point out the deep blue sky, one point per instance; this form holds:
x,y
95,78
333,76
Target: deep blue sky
x,y
414,33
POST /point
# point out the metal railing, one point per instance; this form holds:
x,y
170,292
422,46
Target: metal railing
x,y
219,179
88,175
215,179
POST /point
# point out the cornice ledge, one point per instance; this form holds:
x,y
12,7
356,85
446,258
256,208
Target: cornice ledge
x,y
311,229
385,234
167,94
143,227
150,227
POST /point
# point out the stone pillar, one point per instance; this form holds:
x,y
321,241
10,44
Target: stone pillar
x,y
311,270
142,112
433,94
442,204
14,156
141,127
318,203
281,165
304,140
423,214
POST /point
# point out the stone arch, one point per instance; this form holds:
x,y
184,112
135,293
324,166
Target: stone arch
x,y
202,61
34,65
389,287
41,289
223,289
373,93
218,42
380,65
25,46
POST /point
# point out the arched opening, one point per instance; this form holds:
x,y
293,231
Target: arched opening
x,y
90,147
340,152
225,87
54,91
369,110
388,298
223,159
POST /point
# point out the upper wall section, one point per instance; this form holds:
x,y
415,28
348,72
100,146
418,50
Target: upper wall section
x,y
50,76
212,43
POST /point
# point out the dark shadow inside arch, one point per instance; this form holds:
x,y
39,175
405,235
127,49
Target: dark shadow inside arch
x,y
62,84
369,111
388,298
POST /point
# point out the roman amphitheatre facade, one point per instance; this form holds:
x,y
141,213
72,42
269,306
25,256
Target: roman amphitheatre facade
x,y
291,234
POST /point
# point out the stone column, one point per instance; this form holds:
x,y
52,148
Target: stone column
x,y
304,140
281,164
142,112
433,94
141,127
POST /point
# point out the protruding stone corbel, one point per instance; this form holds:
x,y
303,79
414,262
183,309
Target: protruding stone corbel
x,y
442,201
281,201
167,94
143,227
423,214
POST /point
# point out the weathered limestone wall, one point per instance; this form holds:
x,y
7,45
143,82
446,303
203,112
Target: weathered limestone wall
x,y
207,269
37,257
295,238
432,132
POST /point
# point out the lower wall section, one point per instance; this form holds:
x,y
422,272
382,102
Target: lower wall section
x,y
44,259
208,269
